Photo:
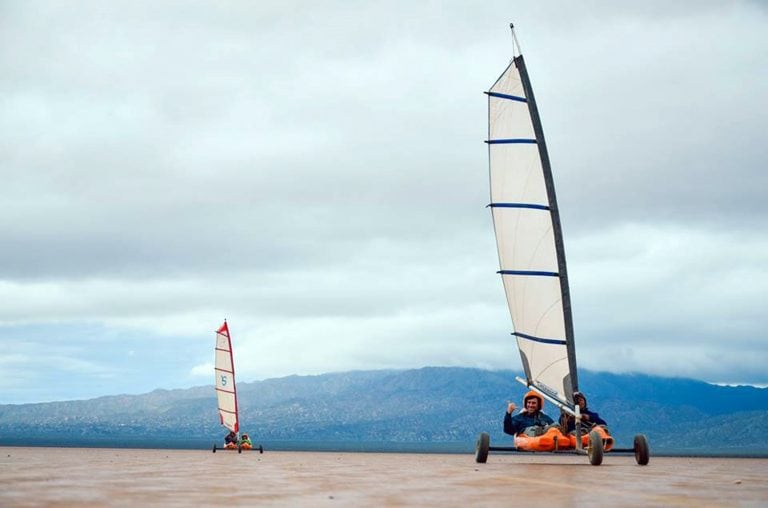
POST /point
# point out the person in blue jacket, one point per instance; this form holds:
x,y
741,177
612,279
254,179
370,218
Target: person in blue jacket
x,y
588,418
531,420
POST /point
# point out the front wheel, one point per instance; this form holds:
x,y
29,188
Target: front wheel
x,y
214,448
595,450
642,452
481,448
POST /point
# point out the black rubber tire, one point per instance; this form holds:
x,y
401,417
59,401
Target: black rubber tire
x,y
481,448
595,450
642,451
261,449
214,448
239,449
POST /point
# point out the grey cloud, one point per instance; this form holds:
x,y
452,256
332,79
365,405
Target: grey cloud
x,y
166,163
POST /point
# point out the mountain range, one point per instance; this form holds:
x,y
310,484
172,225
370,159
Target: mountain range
x,y
419,409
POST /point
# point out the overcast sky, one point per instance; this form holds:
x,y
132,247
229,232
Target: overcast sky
x,y
315,173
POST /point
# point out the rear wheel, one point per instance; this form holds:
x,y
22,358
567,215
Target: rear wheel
x,y
261,449
239,449
595,450
481,448
214,448
642,452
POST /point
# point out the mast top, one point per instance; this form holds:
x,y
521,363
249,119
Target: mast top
x,y
516,49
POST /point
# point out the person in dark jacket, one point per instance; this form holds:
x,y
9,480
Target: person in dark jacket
x,y
588,418
530,420
230,438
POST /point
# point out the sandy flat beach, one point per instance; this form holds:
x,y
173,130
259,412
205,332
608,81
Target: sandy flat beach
x,y
131,477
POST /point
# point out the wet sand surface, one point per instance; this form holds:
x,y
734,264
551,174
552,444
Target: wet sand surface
x,y
128,477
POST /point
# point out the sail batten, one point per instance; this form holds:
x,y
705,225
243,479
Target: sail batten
x,y
529,235
519,205
511,141
531,273
505,96
539,339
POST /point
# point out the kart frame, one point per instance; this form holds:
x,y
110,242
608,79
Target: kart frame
x,y
594,450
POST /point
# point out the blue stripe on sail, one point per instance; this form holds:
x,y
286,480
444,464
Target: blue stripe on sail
x,y
510,141
539,339
518,205
528,272
505,96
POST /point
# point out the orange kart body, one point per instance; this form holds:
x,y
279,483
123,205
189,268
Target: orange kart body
x,y
553,439
607,439
233,446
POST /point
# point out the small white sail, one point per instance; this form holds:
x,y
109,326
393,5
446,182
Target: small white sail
x,y
226,393
528,236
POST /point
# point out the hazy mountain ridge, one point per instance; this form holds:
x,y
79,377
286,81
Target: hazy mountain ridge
x,y
425,405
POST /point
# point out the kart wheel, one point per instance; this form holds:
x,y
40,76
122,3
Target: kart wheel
x,y
239,449
642,453
214,448
261,449
481,448
595,450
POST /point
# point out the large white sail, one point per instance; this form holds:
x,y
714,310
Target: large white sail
x,y
528,236
226,393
